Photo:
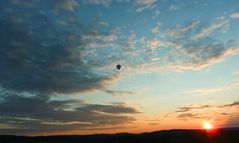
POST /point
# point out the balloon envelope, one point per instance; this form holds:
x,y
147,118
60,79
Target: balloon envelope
x,y
118,66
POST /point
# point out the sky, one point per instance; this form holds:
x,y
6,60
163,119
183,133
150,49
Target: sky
x,y
179,65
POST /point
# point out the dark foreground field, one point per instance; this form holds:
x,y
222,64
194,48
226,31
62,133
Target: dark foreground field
x,y
229,135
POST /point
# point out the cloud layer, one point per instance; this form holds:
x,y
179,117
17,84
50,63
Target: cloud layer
x,y
36,114
224,115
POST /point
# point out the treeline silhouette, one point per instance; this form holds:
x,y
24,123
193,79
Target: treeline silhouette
x,y
229,135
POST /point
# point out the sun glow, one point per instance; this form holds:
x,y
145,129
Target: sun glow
x,y
207,126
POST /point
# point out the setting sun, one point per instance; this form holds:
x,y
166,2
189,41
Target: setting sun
x,y
207,126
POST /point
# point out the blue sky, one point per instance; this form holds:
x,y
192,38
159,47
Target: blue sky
x,y
58,65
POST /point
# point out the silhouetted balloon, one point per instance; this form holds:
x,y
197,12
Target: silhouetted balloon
x,y
118,67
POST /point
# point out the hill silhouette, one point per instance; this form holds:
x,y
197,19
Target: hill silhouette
x,y
225,135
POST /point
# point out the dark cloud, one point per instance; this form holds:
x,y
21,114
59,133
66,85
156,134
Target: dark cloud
x,y
119,93
40,113
153,124
188,116
37,55
236,103
233,121
187,112
233,117
29,3
189,108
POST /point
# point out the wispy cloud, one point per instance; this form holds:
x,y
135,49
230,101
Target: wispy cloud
x,y
215,113
193,107
180,31
236,73
158,43
65,5
119,93
214,59
145,4
190,49
234,104
234,15
106,3
155,30
201,112
215,89
174,7
110,37
156,14
192,56
206,31
188,116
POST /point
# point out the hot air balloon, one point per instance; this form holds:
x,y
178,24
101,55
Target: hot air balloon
x,y
118,66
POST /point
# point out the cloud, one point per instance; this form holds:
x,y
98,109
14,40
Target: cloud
x,y
215,113
187,116
233,121
155,30
231,114
197,58
184,53
140,4
234,15
234,104
99,45
106,3
30,3
236,73
68,5
158,43
103,23
192,111
43,59
156,14
208,30
40,113
179,60
181,31
190,108
119,93
145,4
174,7
190,26
214,90
110,37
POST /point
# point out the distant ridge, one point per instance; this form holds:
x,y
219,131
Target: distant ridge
x,y
224,135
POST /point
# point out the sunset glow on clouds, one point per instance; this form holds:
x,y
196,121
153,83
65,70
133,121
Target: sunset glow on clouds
x,y
57,65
